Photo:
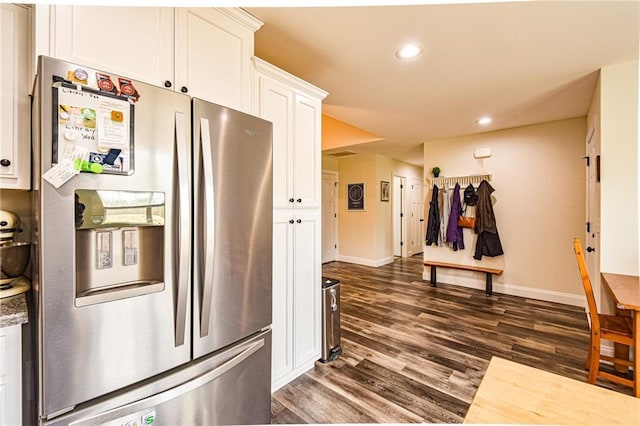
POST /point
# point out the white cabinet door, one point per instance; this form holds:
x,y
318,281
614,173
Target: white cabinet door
x,y
307,151
15,82
297,280
275,105
295,109
136,42
282,326
213,55
205,52
307,283
11,375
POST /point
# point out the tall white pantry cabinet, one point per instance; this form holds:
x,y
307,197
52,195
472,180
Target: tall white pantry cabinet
x,y
295,109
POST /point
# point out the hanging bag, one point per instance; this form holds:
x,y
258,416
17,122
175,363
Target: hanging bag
x,y
468,217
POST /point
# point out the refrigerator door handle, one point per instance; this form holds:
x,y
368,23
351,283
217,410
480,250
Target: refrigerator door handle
x,y
173,393
183,260
208,239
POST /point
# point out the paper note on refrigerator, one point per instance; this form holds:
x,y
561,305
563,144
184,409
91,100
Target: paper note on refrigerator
x,y
113,125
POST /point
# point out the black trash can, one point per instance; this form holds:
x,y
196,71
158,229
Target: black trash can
x,y
331,348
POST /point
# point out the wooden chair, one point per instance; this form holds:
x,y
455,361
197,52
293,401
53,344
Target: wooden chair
x,y
617,329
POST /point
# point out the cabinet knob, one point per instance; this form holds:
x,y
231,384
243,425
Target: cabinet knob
x,y
167,84
291,221
299,220
4,162
299,200
184,89
291,200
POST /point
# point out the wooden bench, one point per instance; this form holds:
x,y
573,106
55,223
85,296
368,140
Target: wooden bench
x,y
489,271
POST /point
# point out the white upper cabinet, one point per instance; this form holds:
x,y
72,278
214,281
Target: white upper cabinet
x,y
295,109
15,83
307,164
276,105
204,52
213,55
133,41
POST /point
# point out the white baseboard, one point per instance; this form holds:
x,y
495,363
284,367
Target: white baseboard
x,y
510,289
366,262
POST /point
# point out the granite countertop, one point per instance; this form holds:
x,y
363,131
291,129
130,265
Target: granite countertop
x,y
13,310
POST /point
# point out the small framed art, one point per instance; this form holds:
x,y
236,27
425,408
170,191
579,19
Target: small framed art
x,y
355,196
384,190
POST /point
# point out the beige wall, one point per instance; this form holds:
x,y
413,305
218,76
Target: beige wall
x,y
329,163
357,229
366,237
539,178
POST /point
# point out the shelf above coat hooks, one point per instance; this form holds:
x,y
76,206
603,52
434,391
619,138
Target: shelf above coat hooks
x,y
464,181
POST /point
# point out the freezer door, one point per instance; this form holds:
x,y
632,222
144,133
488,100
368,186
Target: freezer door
x,y
232,225
112,293
229,388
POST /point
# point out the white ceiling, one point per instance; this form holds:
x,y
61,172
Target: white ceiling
x,y
521,63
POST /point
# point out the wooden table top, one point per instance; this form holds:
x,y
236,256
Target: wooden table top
x,y
516,393
624,288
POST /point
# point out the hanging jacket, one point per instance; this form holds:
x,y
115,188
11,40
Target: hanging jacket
x,y
444,215
454,232
433,223
488,241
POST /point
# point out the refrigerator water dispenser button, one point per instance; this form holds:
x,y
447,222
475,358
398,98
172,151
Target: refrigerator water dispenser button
x,y
130,242
103,250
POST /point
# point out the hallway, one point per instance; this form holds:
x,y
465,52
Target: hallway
x,y
412,353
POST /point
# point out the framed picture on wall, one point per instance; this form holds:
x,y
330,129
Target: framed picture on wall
x,y
384,191
355,196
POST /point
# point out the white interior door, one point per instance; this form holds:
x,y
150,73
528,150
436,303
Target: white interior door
x,y
592,222
399,228
329,216
414,230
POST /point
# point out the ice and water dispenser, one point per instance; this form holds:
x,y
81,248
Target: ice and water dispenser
x,y
119,244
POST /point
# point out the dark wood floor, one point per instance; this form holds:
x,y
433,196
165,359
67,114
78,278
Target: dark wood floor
x,y
413,353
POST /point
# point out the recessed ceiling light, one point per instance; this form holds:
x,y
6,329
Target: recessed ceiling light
x,y
409,51
484,121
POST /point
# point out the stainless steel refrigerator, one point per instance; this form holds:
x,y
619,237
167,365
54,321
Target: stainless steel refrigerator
x,y
153,282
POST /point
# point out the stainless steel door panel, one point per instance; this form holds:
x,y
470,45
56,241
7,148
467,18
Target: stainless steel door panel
x,y
232,225
91,350
231,387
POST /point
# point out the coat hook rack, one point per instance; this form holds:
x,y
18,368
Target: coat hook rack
x,y
450,181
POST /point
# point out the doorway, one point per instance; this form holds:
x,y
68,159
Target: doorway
x,y
329,216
